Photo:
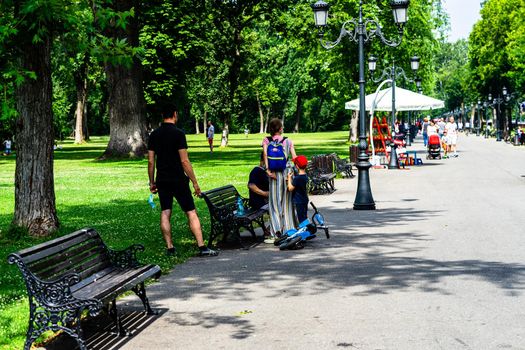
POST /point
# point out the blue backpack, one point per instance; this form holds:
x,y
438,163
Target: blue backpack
x,y
276,154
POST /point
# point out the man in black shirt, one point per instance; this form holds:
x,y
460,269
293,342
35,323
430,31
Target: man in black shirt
x,y
167,148
258,185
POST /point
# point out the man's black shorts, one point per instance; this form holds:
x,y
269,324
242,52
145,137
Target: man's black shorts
x,y
180,190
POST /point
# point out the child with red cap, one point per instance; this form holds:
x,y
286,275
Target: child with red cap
x,y
298,185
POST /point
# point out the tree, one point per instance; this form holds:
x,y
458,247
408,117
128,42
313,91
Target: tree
x,y
29,50
119,21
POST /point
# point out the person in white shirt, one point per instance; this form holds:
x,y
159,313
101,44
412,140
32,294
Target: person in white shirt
x,y
432,129
7,144
441,127
452,135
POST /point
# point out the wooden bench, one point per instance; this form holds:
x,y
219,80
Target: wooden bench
x,y
321,174
222,204
343,166
75,273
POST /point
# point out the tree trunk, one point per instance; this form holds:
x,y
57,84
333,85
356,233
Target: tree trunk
x,y
34,184
127,108
197,131
353,126
84,121
80,112
508,113
267,119
298,112
205,123
261,114
225,134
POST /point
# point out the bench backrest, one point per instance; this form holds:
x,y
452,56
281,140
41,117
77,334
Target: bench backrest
x,y
324,163
81,252
221,198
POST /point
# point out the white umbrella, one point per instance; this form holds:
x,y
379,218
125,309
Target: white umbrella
x,y
406,100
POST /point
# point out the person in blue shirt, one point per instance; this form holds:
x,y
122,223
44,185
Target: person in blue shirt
x,y
211,134
298,186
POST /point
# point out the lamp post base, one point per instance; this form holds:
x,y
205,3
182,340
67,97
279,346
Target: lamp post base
x,y
394,163
363,198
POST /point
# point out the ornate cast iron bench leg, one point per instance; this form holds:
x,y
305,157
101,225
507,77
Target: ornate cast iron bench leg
x,y
141,293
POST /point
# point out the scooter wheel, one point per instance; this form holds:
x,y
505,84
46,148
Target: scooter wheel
x,y
297,246
280,240
289,243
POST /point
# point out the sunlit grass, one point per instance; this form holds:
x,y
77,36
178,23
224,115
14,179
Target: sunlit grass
x,y
111,196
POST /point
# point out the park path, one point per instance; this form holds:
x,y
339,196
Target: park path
x,y
439,265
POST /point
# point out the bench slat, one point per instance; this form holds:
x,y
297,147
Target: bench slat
x,y
115,282
55,246
92,260
53,264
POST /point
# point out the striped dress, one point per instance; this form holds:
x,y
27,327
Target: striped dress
x,y
280,204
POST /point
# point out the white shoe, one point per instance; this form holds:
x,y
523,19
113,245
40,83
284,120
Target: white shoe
x,y
269,240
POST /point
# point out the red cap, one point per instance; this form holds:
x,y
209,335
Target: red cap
x,y
300,161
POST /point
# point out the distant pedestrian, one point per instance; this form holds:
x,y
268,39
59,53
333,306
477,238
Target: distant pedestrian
x,y
441,127
432,129
451,129
424,129
246,132
7,145
211,134
168,154
521,136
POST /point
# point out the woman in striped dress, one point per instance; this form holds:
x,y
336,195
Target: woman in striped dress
x,y
280,199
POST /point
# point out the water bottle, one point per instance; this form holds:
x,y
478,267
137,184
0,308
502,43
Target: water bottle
x,y
240,207
151,202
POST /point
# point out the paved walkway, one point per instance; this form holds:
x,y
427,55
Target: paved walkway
x,y
439,265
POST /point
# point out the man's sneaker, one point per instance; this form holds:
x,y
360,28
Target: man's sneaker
x,y
269,240
171,251
208,252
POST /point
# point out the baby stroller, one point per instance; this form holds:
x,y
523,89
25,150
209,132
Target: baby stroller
x,y
434,147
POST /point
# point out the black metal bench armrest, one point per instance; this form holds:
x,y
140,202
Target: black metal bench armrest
x,y
126,258
55,295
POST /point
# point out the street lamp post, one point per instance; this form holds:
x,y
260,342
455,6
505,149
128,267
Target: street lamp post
x,y
485,108
479,118
392,74
362,32
496,102
418,85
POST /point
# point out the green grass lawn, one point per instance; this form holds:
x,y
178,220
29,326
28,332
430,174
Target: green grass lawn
x,y
111,196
